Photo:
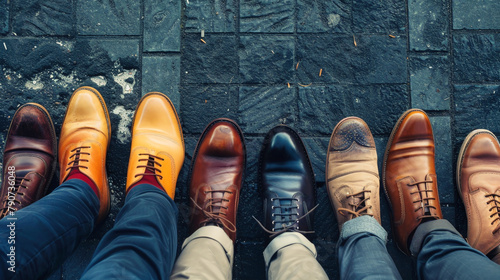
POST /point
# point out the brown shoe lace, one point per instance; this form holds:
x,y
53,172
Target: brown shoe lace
x,y
495,200
150,167
424,199
288,219
76,162
360,208
213,210
18,186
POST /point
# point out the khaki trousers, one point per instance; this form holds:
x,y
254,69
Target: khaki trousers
x,y
208,254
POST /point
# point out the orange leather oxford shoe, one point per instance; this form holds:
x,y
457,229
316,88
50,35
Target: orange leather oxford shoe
x,y
157,143
84,141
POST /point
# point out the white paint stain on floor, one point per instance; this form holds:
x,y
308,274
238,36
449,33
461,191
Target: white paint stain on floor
x,y
126,80
126,116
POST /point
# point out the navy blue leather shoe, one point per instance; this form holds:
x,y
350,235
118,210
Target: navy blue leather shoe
x,y
286,179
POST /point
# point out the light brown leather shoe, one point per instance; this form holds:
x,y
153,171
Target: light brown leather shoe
x,y
84,141
351,171
216,176
157,143
478,177
409,176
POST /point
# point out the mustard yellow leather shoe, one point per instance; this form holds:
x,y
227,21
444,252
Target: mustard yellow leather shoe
x,y
157,143
84,141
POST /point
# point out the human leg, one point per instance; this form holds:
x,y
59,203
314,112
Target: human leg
x,y
143,241
47,232
353,187
442,253
216,179
288,186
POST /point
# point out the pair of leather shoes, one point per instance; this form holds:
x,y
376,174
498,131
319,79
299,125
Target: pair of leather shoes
x,y
29,158
408,174
157,151
285,176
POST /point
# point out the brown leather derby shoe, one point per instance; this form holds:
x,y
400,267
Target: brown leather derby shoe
x,y
28,159
478,174
409,176
352,179
216,176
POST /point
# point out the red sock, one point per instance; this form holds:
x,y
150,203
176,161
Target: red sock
x,y
76,174
148,179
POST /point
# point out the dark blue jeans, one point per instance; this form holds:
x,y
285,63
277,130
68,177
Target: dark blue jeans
x,y
141,245
441,253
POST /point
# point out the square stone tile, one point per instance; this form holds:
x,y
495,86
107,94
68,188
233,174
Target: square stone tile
x,y
332,55
214,101
380,59
210,16
428,25
162,26
250,204
316,149
476,58
261,108
253,147
371,60
379,16
324,16
429,82
162,73
4,17
445,164
275,16
108,17
476,14
476,106
266,59
213,62
322,107
38,18
249,262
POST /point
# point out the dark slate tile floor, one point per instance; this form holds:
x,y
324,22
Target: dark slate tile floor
x,y
260,63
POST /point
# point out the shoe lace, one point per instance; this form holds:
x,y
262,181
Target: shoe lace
x,y
360,207
214,210
425,195
18,187
288,216
76,161
495,201
150,167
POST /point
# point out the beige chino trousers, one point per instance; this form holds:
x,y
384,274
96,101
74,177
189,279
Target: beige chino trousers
x,y
208,254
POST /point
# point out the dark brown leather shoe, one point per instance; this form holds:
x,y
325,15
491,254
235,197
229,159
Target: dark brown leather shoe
x,y
286,179
28,159
216,176
352,179
478,177
409,176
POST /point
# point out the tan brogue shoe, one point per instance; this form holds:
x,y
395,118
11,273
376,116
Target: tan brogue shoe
x,y
216,176
409,176
157,143
478,182
351,171
29,158
84,141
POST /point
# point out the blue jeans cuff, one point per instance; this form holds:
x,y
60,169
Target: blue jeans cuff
x,y
424,229
362,224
